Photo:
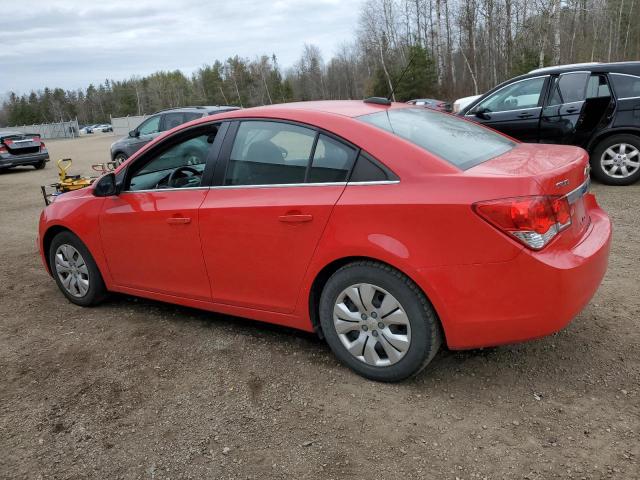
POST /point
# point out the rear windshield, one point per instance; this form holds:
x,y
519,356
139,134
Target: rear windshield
x,y
459,142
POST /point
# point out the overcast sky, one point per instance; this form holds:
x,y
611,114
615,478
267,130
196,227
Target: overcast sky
x,y
70,44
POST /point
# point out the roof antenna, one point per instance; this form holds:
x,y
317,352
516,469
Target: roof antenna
x,y
393,90
387,100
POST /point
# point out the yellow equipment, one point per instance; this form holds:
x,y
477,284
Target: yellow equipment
x,y
68,183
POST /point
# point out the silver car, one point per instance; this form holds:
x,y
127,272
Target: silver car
x,y
156,124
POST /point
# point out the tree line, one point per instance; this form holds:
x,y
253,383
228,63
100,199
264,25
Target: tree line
x,y
446,49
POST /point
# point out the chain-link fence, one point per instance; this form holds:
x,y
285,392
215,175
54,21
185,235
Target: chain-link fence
x,y
50,130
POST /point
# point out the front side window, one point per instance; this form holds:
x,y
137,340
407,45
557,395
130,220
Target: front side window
x,y
518,95
150,126
269,153
625,86
180,166
569,88
459,142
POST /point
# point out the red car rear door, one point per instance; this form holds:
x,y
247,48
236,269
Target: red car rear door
x,y
260,225
150,231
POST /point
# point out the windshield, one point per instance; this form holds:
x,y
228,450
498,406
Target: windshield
x,y
459,142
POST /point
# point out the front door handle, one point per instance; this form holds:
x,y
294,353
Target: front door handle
x,y
525,115
295,218
178,220
571,110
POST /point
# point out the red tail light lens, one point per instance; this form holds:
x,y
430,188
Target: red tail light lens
x,y
3,149
42,146
533,221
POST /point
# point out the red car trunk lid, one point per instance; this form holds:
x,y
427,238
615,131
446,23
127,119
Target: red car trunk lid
x,y
558,170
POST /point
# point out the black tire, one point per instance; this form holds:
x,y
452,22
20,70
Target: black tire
x,y
97,291
600,172
120,158
426,334
40,165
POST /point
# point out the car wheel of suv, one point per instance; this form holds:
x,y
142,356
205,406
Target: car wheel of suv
x,y
616,160
75,271
40,165
378,322
120,158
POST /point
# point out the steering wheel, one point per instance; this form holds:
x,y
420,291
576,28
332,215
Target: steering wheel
x,y
179,173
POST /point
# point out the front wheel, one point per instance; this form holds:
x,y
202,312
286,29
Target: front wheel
x,y
120,158
378,322
75,270
616,160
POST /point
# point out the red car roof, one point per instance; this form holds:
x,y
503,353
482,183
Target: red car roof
x,y
347,108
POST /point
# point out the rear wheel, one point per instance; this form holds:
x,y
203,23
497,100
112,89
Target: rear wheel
x,y
616,160
378,322
75,270
40,165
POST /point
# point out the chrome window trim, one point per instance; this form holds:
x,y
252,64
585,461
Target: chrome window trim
x,y
628,98
506,111
274,185
164,190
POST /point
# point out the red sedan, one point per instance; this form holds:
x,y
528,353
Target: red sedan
x,y
387,229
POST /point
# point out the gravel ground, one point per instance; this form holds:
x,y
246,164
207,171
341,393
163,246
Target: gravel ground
x,y
141,389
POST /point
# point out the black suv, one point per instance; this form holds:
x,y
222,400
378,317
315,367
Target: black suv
x,y
595,106
157,123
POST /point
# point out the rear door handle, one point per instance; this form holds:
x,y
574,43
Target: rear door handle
x,y
571,110
178,220
525,115
295,218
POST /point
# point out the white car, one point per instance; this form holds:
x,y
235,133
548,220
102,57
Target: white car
x,y
104,127
460,103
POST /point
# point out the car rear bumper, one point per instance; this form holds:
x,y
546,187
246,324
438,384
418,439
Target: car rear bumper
x,y
18,160
531,296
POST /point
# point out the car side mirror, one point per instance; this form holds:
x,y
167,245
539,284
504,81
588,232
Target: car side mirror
x,y
482,113
106,186
134,133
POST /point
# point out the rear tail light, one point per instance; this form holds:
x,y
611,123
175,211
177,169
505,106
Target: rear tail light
x,y
43,147
3,149
533,221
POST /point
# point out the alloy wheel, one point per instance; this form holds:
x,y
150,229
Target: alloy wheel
x,y
620,160
72,270
372,325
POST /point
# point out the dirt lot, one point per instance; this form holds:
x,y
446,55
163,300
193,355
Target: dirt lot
x,y
139,389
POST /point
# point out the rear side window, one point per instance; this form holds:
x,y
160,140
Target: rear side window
x,y
598,87
568,88
625,86
459,142
369,170
269,153
332,161
173,119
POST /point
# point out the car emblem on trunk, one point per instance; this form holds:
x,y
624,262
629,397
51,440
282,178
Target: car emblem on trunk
x,y
562,183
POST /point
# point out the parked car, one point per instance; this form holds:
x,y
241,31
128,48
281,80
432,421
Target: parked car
x,y
17,149
431,103
386,228
86,129
461,103
103,127
594,106
157,123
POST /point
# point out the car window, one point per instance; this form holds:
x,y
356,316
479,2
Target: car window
x,y
332,161
174,119
518,95
598,87
180,166
459,142
149,126
268,153
568,88
625,86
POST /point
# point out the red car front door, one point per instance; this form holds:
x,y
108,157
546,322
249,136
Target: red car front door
x,y
260,228
150,231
